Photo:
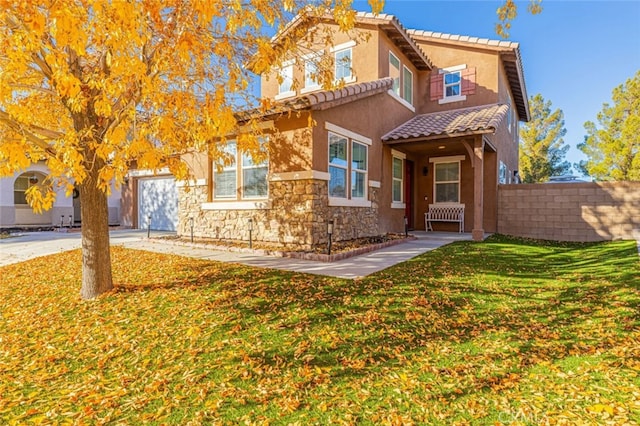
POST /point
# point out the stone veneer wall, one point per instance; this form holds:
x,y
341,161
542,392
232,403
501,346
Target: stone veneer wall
x,y
570,211
295,216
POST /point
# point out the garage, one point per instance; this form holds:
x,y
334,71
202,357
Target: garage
x,y
158,201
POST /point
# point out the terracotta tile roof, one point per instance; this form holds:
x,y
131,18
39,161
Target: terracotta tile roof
x,y
465,39
481,119
322,99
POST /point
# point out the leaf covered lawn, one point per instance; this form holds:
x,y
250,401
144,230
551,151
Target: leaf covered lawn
x,y
501,332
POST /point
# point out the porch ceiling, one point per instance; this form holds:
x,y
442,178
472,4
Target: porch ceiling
x,y
454,123
438,147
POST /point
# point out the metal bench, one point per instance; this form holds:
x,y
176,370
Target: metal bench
x,y
444,212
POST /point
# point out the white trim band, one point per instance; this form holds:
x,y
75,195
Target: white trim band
x,y
301,175
237,205
348,133
344,202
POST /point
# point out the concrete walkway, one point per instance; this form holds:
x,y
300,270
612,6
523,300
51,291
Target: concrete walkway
x,y
29,245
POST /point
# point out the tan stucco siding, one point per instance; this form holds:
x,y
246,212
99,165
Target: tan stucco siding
x,y
486,63
371,117
364,56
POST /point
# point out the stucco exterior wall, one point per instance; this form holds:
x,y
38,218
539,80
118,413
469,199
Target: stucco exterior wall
x,y
487,64
570,211
364,58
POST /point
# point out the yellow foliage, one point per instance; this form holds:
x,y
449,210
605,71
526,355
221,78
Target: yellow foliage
x,y
91,87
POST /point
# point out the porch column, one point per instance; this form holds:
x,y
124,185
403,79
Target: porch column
x,y
478,189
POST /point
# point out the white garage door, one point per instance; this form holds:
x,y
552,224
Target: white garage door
x,y
158,200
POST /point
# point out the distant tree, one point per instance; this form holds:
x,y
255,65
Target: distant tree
x,y
89,87
542,149
613,147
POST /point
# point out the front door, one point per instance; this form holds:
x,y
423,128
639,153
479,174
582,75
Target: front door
x,y
408,192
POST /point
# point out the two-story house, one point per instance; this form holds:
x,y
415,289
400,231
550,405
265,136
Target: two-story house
x,y
422,119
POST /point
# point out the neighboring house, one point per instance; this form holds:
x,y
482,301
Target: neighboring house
x,y
424,118
15,212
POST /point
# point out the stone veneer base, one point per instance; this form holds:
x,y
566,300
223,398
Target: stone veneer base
x,y
317,257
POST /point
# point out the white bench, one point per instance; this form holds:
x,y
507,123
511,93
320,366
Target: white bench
x,y
444,212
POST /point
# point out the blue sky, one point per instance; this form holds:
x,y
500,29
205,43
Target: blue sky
x,y
574,53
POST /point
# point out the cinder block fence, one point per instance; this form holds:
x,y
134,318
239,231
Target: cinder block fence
x,y
570,211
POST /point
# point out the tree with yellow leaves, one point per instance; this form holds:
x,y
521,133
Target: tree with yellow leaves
x,y
90,87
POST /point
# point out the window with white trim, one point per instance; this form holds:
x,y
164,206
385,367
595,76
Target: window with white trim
x,y
397,180
394,72
311,77
446,185
509,115
285,86
22,184
342,59
348,168
250,177
407,85
453,84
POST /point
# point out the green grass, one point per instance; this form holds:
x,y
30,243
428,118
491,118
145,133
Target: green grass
x,y
506,331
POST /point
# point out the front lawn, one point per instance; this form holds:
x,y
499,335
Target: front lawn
x,y
501,332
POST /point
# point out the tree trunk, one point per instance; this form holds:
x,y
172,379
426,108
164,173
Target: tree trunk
x,y
96,258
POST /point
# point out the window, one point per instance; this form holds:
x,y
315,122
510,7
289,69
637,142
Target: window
x,y
22,183
343,65
453,84
398,173
311,71
342,61
253,176
447,182
358,170
407,85
509,115
285,87
348,168
394,72
502,178
337,166
225,180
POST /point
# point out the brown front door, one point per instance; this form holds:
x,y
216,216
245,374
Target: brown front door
x,y
408,192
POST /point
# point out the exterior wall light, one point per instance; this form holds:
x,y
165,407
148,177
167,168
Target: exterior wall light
x,y
329,234
406,227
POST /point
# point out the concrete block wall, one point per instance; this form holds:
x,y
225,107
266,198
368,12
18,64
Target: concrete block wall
x,y
587,211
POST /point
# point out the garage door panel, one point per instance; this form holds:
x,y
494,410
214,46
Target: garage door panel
x,y
158,200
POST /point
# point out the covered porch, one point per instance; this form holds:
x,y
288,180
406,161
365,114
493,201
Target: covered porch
x,y
449,160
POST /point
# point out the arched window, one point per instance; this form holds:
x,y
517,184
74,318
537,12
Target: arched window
x,y
24,182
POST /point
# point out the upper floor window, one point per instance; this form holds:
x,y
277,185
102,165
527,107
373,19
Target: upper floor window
x,y
394,72
453,84
311,70
285,81
407,85
348,167
342,61
251,178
